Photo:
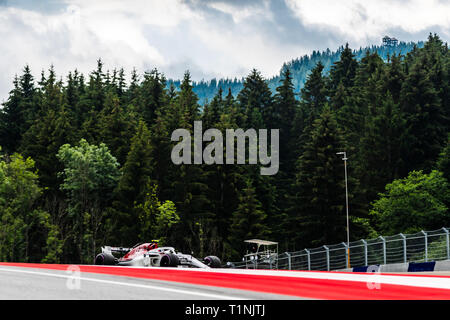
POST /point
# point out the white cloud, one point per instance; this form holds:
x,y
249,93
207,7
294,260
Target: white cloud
x,y
239,13
141,34
166,13
242,48
211,38
77,36
243,45
359,19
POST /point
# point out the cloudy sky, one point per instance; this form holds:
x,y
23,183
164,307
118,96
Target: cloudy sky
x,y
211,38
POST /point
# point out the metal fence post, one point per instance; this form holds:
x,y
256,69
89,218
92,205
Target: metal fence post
x,y
328,257
366,260
346,255
426,246
447,241
384,249
289,260
404,247
309,259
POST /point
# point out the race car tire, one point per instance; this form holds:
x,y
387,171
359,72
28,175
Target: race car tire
x,y
169,260
105,259
212,261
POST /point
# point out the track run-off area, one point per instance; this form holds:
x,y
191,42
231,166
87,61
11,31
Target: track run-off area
x,y
57,281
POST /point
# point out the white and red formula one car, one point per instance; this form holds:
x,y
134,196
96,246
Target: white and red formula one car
x,y
150,255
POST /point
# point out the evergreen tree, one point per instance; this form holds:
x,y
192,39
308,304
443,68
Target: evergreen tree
x,y
320,191
48,133
359,117
314,94
381,148
72,94
256,102
91,102
394,77
212,111
443,162
11,120
188,186
188,102
425,114
162,146
343,71
287,108
313,100
118,85
224,182
152,95
18,111
116,127
95,90
132,94
131,189
28,105
248,221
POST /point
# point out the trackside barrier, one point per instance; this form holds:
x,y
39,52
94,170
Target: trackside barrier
x,y
421,247
424,266
404,267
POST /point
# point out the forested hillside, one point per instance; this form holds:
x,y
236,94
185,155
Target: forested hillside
x,y
86,159
299,67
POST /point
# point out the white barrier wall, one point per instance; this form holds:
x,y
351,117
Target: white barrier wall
x,y
442,265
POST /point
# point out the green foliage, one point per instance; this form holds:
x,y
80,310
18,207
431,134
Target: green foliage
x,y
421,101
313,100
342,74
131,187
20,218
89,171
11,119
155,219
256,101
90,175
116,127
443,163
54,245
147,213
248,221
415,203
318,214
152,96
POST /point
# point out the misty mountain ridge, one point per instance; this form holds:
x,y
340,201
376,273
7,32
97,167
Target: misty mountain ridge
x,y
299,67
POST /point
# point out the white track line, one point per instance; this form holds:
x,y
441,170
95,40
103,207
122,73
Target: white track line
x,y
186,292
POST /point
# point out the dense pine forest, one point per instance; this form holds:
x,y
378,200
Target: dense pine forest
x,y
85,160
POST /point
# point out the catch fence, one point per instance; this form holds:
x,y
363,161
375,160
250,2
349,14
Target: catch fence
x,y
423,246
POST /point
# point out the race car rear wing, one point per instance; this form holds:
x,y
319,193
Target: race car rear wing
x,y
118,250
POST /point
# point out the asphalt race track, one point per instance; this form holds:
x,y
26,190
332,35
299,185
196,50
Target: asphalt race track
x,y
45,284
68,282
